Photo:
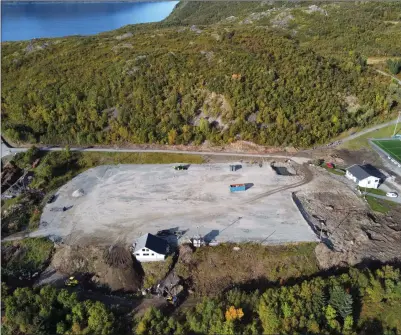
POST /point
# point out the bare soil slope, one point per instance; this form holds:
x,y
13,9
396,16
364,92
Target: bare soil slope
x,y
115,271
346,221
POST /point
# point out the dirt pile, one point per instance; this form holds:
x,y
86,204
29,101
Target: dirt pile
x,y
9,175
111,266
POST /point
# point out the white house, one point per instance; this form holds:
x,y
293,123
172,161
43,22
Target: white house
x,y
360,175
150,248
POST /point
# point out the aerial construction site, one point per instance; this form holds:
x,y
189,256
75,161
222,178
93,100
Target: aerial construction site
x,y
123,202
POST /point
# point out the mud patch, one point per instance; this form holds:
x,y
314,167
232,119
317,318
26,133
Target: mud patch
x,y
282,171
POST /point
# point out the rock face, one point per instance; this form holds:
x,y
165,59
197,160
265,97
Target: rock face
x,y
328,258
112,267
352,233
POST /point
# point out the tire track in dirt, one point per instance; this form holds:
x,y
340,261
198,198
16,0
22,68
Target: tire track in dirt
x,y
308,177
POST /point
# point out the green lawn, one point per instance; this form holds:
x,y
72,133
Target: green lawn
x,y
381,205
28,256
372,190
362,141
90,159
335,171
392,147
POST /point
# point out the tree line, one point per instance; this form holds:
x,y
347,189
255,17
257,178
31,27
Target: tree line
x,y
360,301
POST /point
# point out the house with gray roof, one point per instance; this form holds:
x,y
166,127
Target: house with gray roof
x,y
362,176
150,248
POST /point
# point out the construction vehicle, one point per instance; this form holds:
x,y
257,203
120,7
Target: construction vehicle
x,y
173,300
180,167
72,281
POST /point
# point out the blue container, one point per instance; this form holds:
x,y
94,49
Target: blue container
x,y
237,187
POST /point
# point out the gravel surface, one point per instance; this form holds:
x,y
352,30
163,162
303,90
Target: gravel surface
x,y
126,201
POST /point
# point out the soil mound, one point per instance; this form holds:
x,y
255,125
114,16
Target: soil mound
x,y
9,175
112,266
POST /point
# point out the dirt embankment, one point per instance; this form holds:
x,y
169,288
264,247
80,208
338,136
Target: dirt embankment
x,y
112,267
9,175
352,232
211,270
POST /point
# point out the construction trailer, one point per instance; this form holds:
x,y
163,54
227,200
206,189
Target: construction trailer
x,y
237,187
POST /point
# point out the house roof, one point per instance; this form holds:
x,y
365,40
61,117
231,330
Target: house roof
x,y
153,243
359,172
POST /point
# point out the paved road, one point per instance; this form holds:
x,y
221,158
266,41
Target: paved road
x,y
6,150
308,176
368,130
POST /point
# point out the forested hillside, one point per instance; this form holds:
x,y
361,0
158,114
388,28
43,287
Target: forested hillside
x,y
264,75
358,302
344,304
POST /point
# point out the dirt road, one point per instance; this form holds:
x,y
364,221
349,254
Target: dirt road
x,y
308,177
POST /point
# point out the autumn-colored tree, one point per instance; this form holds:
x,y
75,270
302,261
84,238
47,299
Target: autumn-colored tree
x,y
234,314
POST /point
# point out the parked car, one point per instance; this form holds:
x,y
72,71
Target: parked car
x,y
391,194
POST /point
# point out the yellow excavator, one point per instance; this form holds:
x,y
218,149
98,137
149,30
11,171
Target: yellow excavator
x,y
72,281
173,300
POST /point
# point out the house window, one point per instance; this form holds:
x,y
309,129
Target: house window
x,y
368,182
147,249
145,255
143,249
153,254
137,254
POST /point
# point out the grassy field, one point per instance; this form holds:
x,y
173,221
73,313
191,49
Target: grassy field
x,y
334,171
380,205
361,142
155,271
372,190
213,269
21,258
89,159
392,147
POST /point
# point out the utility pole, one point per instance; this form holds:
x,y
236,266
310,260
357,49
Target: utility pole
x,y
396,124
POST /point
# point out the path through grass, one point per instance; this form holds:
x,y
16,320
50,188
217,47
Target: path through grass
x,y
361,142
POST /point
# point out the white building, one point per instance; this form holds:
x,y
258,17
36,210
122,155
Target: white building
x,y
150,248
361,176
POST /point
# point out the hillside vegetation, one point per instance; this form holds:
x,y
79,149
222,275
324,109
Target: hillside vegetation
x,y
341,304
266,75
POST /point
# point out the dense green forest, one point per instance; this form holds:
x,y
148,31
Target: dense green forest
x,y
332,29
273,74
360,301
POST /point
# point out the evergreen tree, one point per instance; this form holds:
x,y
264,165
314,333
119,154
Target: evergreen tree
x,y
341,301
